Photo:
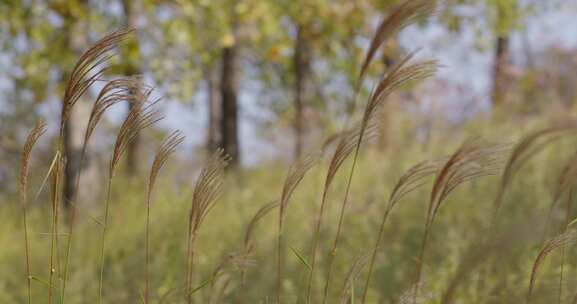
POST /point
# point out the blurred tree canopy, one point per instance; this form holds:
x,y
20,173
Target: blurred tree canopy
x,y
295,60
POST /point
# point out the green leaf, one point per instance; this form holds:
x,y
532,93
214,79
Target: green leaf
x,y
141,297
96,221
300,257
37,279
204,283
352,301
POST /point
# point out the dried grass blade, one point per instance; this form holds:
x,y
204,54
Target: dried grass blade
x,y
353,273
474,159
411,180
406,13
523,149
142,115
567,238
295,175
168,147
89,68
207,188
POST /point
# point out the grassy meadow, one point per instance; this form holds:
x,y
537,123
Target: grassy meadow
x,y
388,209
470,258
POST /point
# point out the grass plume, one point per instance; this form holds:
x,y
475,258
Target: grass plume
x,y
400,75
567,238
31,140
474,159
410,181
523,150
249,243
406,13
206,190
113,92
294,177
261,212
168,147
347,291
345,146
565,181
403,15
142,115
89,68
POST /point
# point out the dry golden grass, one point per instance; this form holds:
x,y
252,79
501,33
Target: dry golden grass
x,y
208,187
472,160
294,177
410,181
560,241
89,68
167,148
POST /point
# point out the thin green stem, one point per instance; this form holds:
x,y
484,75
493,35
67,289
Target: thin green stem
x,y
147,251
279,260
189,265
187,281
333,253
103,238
54,228
567,220
420,260
374,255
73,205
27,252
316,238
52,270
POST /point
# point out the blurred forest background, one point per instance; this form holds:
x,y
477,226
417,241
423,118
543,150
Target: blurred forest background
x,y
280,73
269,81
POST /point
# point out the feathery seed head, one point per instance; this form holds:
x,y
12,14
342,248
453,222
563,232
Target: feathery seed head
x,y
207,189
405,14
89,68
141,115
31,140
167,148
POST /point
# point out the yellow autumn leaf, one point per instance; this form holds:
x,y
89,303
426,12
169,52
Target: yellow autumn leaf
x,y
227,40
274,53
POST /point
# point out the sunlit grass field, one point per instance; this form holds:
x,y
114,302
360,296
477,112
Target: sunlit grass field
x,y
478,260
388,209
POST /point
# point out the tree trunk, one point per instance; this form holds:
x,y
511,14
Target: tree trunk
x,y
389,59
214,133
74,129
131,68
499,64
229,100
302,69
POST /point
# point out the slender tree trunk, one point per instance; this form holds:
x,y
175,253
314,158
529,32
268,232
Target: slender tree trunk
x,y
389,59
75,126
132,152
214,133
71,153
302,69
74,129
132,68
229,102
499,64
